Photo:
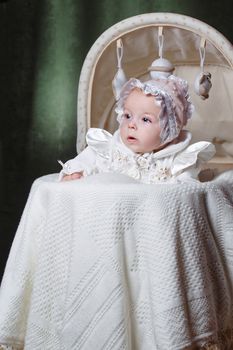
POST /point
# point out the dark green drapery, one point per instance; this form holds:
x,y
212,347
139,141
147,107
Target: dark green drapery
x,y
43,46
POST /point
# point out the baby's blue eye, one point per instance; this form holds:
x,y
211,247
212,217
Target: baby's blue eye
x,y
146,120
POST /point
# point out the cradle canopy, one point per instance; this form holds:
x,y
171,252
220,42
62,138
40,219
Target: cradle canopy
x,y
213,118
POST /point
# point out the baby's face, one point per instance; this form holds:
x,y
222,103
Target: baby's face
x,y
139,128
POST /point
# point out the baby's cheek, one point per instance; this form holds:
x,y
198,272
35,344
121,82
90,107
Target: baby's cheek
x,y
122,129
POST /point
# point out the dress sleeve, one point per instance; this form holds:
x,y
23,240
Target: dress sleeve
x,y
99,140
187,164
86,161
83,162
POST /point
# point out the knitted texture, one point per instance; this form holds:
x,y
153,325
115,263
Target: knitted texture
x,y
106,263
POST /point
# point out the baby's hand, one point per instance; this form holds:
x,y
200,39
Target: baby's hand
x,y
73,176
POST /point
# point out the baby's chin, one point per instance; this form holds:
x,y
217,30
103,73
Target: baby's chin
x,y
140,150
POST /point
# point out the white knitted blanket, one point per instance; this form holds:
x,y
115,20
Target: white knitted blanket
x,y
105,263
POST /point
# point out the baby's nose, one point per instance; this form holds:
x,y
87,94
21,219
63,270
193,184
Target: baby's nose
x,y
132,124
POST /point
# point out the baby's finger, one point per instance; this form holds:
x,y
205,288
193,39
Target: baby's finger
x,y
67,178
76,176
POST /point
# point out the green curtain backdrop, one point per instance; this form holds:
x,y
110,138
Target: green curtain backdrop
x,y
43,46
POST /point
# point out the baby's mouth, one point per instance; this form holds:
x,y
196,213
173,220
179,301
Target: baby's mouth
x,y
131,139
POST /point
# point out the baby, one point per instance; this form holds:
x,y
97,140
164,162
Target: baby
x,y
150,144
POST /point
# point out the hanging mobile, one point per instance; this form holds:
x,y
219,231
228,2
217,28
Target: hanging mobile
x,y
202,84
120,79
161,67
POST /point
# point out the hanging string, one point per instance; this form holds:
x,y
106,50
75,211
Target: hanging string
x,y
160,41
202,53
119,51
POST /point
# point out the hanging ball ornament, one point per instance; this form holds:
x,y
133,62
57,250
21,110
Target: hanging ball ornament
x,y
161,68
202,85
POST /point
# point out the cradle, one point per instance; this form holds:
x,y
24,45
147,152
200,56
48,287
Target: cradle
x,y
106,263
213,119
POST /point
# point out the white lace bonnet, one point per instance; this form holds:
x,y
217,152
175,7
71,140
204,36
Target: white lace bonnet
x,y
172,95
